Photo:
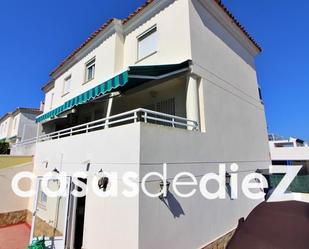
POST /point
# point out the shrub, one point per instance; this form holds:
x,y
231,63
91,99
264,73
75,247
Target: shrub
x,y
4,148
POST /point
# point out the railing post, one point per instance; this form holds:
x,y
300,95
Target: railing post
x,y
145,116
173,122
196,126
135,117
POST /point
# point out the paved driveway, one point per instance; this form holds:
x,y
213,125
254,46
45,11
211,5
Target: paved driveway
x,y
14,237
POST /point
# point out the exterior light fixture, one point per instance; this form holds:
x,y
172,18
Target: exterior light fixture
x,y
103,181
164,195
55,170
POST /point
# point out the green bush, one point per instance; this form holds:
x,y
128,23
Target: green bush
x,y
299,185
4,148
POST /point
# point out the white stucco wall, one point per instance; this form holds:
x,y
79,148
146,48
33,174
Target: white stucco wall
x,y
115,149
199,220
289,153
119,51
10,202
26,126
23,149
21,125
234,128
105,69
173,37
6,124
233,116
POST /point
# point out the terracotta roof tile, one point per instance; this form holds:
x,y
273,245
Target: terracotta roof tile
x,y
225,9
89,39
136,12
28,110
21,109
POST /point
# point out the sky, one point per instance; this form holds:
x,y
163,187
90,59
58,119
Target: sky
x,y
36,35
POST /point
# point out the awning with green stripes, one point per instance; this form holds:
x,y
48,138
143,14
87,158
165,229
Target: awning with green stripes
x,y
108,86
135,75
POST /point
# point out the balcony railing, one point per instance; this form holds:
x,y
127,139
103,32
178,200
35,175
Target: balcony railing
x,y
26,142
137,115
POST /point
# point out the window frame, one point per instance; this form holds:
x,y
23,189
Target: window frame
x,y
141,37
88,64
66,79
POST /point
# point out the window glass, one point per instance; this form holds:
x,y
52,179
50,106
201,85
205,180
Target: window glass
x,y
90,70
67,85
147,43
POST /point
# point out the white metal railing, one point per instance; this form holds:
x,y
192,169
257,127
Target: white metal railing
x,y
137,115
26,142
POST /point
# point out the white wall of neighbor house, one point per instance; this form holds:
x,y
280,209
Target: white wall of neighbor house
x,y
10,202
15,125
289,153
24,126
5,127
21,125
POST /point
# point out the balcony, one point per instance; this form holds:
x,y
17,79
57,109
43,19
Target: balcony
x,y
133,116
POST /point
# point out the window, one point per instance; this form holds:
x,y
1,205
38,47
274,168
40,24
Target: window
x,y
167,106
67,85
260,95
90,70
42,200
147,43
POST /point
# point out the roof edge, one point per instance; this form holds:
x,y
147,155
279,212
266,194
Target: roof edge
x,y
242,28
132,16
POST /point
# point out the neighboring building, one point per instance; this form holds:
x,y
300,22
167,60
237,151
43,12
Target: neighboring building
x,y
292,151
173,83
19,125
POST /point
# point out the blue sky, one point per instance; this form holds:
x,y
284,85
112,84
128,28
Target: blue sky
x,y
36,35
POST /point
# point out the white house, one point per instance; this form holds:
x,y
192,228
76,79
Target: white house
x,y
174,83
291,151
19,125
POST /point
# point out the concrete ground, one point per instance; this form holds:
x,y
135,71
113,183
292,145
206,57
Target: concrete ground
x,y
14,237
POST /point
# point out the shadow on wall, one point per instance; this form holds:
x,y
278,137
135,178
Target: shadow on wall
x,y
173,205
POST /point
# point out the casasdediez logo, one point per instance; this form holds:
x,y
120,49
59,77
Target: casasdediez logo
x,y
105,184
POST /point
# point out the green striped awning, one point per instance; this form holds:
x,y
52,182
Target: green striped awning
x,y
101,89
133,76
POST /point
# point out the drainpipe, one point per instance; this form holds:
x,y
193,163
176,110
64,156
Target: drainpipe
x,y
192,100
